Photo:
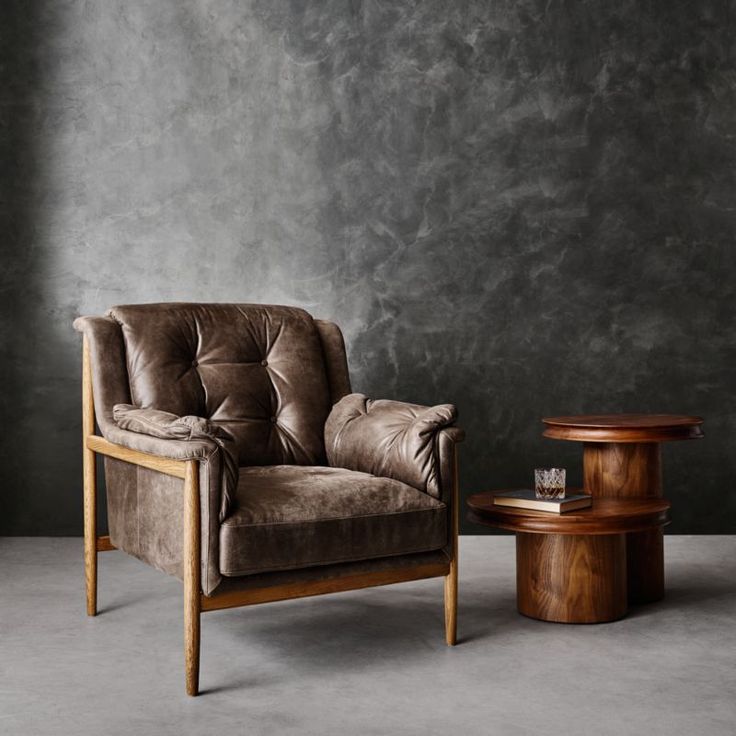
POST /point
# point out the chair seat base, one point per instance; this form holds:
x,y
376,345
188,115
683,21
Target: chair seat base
x,y
270,587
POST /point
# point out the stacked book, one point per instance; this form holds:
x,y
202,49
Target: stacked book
x,y
527,499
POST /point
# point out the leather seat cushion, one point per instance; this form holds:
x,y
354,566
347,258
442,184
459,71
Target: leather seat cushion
x,y
288,516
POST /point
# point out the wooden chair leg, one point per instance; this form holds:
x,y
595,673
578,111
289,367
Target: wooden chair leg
x,y
451,577
89,484
451,605
192,577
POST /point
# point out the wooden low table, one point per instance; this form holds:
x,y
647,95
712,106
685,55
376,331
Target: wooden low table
x,y
622,459
571,567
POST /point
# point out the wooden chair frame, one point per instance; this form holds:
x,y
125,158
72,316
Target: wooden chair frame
x,y
195,602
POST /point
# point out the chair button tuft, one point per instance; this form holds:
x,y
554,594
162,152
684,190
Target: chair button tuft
x,y
274,420
264,362
194,364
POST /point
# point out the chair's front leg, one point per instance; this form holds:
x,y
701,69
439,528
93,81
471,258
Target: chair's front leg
x,y
192,575
451,577
89,480
451,604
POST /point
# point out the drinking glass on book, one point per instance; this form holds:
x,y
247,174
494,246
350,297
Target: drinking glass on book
x,y
549,482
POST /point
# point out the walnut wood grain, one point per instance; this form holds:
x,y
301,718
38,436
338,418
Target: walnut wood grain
x,y
613,470
605,516
571,579
621,459
624,427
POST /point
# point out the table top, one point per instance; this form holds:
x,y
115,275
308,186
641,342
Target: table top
x,y
605,516
624,427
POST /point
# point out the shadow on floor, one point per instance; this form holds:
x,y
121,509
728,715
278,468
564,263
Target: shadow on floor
x,y
690,594
369,627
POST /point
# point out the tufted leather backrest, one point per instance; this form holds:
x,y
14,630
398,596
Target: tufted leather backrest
x,y
259,371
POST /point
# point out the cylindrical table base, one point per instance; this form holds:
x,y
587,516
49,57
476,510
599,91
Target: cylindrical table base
x,y
573,579
645,554
631,470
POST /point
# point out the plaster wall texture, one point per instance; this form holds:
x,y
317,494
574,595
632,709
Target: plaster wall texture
x,y
522,207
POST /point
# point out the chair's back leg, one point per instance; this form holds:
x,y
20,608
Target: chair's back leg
x,y
192,576
451,577
90,483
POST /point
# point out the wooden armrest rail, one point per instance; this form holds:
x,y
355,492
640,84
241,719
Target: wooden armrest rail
x,y
165,465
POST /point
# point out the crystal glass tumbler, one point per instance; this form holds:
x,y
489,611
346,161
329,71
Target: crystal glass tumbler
x,y
549,482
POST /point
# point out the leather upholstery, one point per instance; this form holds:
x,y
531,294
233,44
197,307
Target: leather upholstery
x,y
145,515
145,508
388,438
336,362
164,425
259,371
109,372
167,426
144,355
288,517
445,442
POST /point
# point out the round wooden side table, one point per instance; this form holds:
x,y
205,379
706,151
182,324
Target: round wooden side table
x,y
622,459
571,567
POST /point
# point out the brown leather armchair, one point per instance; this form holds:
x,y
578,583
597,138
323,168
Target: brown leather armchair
x,y
292,485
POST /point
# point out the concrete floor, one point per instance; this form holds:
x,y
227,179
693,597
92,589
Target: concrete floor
x,y
369,662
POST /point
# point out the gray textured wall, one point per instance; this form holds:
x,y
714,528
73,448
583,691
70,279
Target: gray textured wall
x,y
525,207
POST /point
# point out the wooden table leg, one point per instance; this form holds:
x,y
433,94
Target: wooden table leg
x,y
621,470
573,579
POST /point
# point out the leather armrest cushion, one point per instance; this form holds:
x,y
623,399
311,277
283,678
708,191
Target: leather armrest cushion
x,y
190,429
391,439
